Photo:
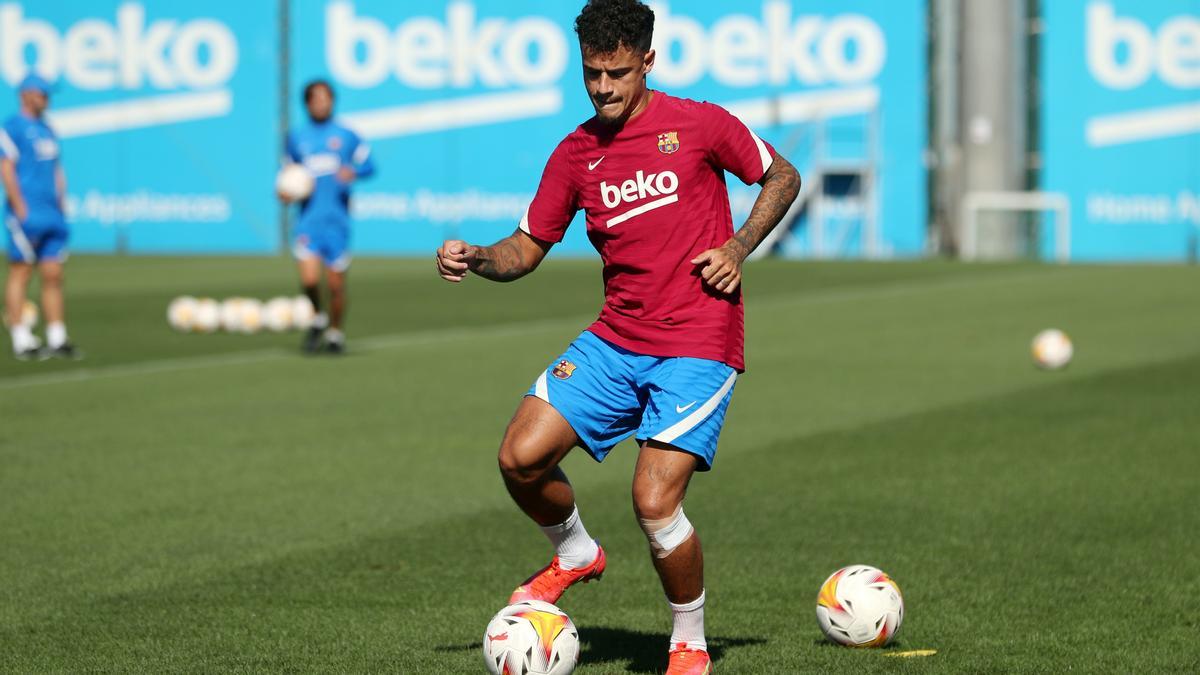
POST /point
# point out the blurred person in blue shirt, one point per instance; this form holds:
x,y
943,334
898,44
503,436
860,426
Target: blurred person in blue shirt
x,y
336,157
36,190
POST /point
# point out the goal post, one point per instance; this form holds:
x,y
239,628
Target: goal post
x,y
975,203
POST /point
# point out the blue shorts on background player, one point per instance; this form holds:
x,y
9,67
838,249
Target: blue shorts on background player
x,y
35,222
336,157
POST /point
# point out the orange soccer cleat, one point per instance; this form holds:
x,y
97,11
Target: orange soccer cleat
x,y
552,581
686,661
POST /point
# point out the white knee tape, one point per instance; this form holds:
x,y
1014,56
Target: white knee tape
x,y
667,534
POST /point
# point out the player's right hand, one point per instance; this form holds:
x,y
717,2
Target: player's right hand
x,y
454,260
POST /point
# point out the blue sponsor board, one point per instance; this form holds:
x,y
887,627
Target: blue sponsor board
x,y
167,115
463,101
1121,122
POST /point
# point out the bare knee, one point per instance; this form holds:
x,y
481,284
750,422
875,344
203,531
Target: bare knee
x,y
655,502
337,282
522,462
535,442
52,275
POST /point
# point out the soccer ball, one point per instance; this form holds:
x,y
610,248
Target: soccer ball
x,y
207,318
251,315
1052,349
302,313
231,314
181,313
29,314
531,638
277,314
295,182
860,606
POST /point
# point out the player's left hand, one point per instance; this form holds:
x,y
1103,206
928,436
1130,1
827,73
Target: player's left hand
x,y
722,269
346,175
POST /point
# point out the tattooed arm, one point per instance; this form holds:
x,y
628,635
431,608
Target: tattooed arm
x,y
723,266
507,260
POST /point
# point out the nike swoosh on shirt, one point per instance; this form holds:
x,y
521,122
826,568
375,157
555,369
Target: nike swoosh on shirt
x,y
684,408
592,165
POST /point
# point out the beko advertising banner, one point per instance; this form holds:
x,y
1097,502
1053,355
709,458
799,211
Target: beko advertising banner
x,y
167,117
1122,124
171,130
463,102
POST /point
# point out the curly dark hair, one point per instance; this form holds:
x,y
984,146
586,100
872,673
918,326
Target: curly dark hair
x,y
605,25
317,84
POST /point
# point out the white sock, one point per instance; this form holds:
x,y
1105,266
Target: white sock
x,y
320,320
572,543
689,624
22,338
56,334
334,335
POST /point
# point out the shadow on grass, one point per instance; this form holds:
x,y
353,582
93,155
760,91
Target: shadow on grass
x,y
822,642
645,652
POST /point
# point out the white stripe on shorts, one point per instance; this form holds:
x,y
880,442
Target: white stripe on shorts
x,y
688,423
21,240
540,389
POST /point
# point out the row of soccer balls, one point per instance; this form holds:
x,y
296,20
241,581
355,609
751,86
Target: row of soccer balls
x,y
239,315
857,606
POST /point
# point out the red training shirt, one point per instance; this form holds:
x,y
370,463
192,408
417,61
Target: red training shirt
x,y
655,197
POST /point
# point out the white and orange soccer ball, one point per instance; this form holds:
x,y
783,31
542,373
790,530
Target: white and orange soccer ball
x,y
531,638
277,315
295,182
231,314
29,315
251,316
860,606
207,317
181,313
302,313
1052,349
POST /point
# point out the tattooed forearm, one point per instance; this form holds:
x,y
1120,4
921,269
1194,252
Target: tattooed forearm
x,y
508,259
502,261
780,187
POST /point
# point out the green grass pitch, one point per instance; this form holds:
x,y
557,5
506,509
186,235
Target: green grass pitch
x,y
220,504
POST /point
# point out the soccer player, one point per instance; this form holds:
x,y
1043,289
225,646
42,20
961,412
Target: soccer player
x,y
36,190
337,158
660,363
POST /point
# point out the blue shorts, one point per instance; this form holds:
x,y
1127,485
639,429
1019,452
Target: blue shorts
x,y
607,393
330,244
36,241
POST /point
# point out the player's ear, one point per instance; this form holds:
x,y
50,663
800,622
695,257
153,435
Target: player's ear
x,y
648,62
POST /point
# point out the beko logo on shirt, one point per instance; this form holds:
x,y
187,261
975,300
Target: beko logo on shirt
x,y
640,187
45,149
662,186
323,164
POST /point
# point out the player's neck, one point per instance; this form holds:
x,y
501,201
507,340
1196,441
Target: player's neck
x,y
29,114
638,110
642,105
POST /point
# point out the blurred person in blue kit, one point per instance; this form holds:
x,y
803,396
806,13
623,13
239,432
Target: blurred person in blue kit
x,y
336,157
35,188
